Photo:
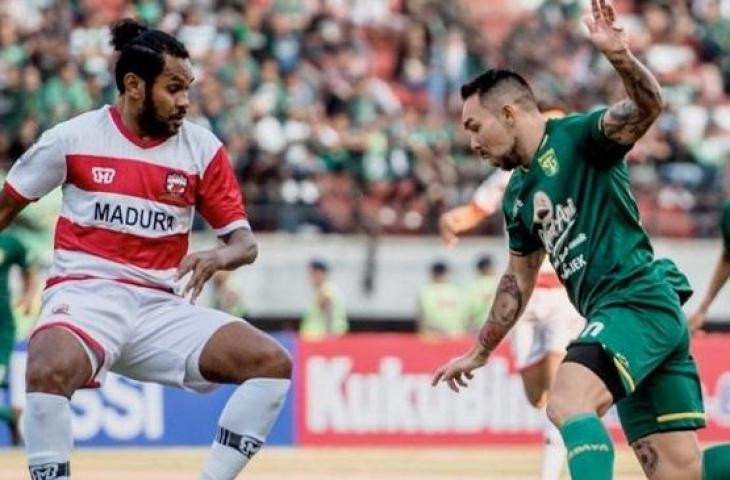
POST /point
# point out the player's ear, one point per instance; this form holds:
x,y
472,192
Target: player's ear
x,y
134,86
508,114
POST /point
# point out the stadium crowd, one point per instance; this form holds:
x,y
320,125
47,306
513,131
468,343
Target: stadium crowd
x,y
343,115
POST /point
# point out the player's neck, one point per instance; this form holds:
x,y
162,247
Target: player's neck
x,y
129,119
531,140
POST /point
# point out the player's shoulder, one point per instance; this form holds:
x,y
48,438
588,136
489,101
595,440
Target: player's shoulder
x,y
577,120
202,142
92,118
79,126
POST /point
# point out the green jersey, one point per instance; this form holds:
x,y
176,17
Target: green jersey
x,y
12,252
574,201
725,227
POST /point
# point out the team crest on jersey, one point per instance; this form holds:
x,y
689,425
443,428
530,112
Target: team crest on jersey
x,y
548,161
176,184
103,175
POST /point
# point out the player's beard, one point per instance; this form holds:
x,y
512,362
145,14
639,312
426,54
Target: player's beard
x,y
511,159
150,121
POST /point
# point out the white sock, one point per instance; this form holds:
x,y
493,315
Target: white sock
x,y
48,436
553,452
245,422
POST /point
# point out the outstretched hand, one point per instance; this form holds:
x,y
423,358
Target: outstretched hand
x,y
451,373
604,33
697,321
202,265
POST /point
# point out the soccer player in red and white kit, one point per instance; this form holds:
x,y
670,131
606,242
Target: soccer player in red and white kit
x,y
132,176
547,326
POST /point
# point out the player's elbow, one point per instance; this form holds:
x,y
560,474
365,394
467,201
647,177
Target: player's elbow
x,y
653,108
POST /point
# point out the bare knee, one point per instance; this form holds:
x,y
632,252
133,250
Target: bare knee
x,y
238,352
273,361
57,363
576,390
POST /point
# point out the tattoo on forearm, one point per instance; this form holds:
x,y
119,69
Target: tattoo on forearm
x,y
647,456
628,120
504,313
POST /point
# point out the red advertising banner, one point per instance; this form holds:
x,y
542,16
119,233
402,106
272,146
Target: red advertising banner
x,y
376,389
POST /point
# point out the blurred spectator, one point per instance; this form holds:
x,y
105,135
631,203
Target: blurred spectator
x,y
344,115
326,315
442,305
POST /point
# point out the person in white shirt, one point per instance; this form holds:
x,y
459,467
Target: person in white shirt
x,y
132,176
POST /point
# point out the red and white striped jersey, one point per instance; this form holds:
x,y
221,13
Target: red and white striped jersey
x,y
128,204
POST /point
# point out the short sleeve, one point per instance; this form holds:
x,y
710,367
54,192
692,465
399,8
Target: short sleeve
x,y
725,228
219,198
596,147
40,169
521,241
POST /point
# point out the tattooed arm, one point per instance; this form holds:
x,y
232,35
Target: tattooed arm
x,y
629,119
626,121
513,292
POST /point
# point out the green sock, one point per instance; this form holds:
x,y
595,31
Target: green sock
x,y
5,414
590,450
716,462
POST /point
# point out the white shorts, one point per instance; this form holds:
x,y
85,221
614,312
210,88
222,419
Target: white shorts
x,y
548,325
142,333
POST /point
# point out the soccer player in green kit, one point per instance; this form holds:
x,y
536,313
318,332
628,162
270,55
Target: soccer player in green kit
x,y
12,252
569,197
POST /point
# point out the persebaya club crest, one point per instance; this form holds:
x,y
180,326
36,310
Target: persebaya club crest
x,y
548,161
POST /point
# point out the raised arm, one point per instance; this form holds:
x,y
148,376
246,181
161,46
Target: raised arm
x,y
514,290
628,120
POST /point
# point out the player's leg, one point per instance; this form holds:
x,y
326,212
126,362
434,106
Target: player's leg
x,y
537,380
660,419
57,366
669,455
77,334
577,400
177,343
537,368
240,354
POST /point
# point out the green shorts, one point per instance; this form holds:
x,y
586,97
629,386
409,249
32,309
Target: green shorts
x,y
648,340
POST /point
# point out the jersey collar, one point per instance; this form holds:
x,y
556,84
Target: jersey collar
x,y
543,142
129,134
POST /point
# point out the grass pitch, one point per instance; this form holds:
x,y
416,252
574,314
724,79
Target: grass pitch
x,y
509,463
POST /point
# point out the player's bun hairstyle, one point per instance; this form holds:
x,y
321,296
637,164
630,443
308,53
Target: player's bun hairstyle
x,y
495,79
141,50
